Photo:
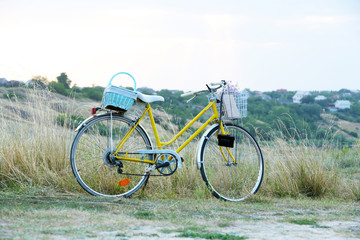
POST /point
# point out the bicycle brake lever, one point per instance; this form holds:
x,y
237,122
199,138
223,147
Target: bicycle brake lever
x,y
192,98
210,90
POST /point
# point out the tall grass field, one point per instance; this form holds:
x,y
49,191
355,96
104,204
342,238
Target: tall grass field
x,y
37,130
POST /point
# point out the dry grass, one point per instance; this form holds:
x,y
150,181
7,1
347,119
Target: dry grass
x,y
295,169
34,152
301,168
34,149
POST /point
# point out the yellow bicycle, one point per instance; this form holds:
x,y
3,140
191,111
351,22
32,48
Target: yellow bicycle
x,y
112,154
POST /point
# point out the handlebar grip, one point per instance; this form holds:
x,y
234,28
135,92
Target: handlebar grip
x,y
216,83
187,94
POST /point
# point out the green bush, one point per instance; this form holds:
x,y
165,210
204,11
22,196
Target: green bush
x,y
94,93
69,121
58,88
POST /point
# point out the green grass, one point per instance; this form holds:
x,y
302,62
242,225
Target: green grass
x,y
198,232
191,234
305,221
144,214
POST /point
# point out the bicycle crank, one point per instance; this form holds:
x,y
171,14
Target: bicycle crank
x,y
167,161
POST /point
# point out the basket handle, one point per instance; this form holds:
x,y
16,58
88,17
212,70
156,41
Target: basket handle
x,y
126,74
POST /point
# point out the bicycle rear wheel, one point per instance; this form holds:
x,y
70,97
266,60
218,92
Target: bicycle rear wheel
x,y
235,173
91,162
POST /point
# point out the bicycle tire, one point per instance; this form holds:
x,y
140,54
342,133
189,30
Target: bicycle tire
x,y
225,180
90,160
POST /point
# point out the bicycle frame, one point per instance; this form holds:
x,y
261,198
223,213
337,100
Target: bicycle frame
x,y
211,105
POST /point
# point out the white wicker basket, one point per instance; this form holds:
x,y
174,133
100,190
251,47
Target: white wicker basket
x,y
234,103
118,98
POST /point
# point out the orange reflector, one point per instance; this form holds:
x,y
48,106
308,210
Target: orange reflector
x,y
124,182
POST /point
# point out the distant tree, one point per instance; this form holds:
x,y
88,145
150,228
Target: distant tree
x,y
289,95
355,109
76,89
308,99
39,81
311,112
64,80
344,90
274,94
94,93
323,103
13,83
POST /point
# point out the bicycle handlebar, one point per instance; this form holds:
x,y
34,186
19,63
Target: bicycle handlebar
x,y
219,84
192,93
187,94
216,83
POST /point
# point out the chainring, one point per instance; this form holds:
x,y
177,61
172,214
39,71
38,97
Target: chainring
x,y
164,158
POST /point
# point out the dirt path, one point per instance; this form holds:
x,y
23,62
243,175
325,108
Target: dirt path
x,y
74,217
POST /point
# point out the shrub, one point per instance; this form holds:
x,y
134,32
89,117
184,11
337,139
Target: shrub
x,y
58,88
69,121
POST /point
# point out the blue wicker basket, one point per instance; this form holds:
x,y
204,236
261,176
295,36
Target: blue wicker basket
x,y
118,98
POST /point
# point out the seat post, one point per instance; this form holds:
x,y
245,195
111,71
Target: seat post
x,y
151,116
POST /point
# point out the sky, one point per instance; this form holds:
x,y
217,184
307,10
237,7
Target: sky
x,y
261,45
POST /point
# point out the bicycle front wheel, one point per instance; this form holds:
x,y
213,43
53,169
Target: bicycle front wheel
x,y
91,156
231,173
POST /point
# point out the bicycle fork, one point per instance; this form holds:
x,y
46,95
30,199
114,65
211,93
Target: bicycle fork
x,y
227,141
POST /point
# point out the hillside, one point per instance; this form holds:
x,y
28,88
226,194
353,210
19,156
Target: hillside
x,y
350,130
37,130
311,119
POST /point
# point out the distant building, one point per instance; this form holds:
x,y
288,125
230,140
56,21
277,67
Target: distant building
x,y
331,107
342,104
336,96
320,98
299,95
281,90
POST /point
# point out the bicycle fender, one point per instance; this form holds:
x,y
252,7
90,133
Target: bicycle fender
x,y
83,123
201,142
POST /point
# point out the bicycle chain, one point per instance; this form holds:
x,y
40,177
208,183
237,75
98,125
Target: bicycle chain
x,y
132,174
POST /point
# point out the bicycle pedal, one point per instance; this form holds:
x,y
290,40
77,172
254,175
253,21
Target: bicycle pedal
x,y
182,159
165,164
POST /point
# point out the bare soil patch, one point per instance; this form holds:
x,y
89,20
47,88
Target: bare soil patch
x,y
83,217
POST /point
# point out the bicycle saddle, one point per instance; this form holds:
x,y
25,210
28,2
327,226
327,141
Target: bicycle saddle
x,y
149,98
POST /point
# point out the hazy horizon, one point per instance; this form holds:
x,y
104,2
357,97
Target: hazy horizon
x,y
289,90
263,45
